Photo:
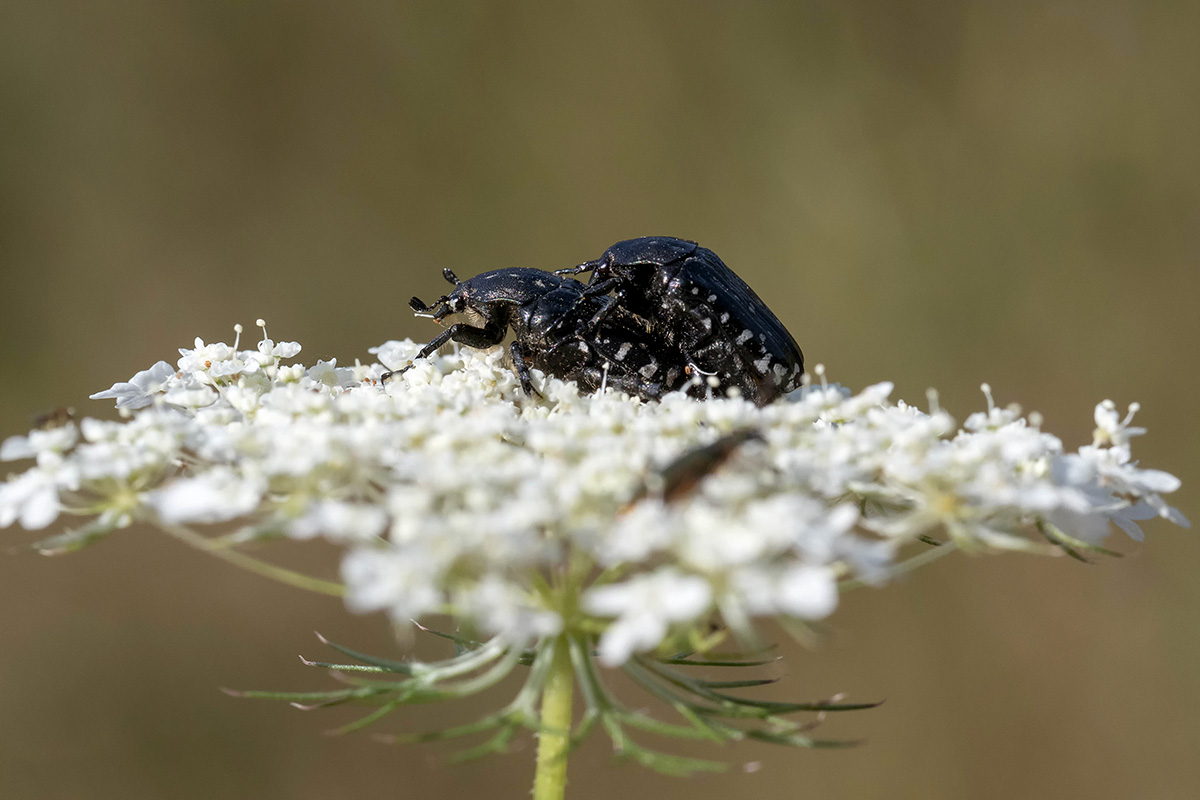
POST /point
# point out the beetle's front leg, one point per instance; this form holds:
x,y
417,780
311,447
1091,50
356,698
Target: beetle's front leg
x,y
479,338
600,290
586,266
461,332
522,368
607,304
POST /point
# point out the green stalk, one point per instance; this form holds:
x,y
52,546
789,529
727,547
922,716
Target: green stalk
x,y
554,737
919,560
251,564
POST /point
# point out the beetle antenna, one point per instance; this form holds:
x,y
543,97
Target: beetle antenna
x,y
422,310
450,276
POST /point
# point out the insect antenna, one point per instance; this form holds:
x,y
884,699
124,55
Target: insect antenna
x,y
421,310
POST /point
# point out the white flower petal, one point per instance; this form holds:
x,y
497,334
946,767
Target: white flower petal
x,y
453,492
217,495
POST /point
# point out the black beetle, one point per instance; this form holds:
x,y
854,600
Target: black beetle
x,y
550,317
696,304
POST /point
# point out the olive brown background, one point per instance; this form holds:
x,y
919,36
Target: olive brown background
x,y
938,193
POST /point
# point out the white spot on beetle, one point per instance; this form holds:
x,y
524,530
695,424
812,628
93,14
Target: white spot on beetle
x,y
695,290
712,297
623,351
725,318
707,323
745,336
762,364
649,370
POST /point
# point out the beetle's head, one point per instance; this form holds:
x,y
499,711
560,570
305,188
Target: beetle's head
x,y
458,302
601,269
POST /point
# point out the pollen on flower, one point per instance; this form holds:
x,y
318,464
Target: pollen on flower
x,y
944,504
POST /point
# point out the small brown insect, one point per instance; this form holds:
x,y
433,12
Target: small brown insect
x,y
54,418
681,476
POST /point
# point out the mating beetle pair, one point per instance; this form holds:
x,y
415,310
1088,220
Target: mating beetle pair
x,y
548,315
675,313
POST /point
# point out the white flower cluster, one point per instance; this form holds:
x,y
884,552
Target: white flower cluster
x,y
454,493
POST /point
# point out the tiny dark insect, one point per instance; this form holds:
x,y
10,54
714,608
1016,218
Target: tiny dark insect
x,y
682,475
696,304
550,317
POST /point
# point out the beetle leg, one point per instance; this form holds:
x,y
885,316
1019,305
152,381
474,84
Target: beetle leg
x,y
600,291
632,384
709,353
471,336
600,287
607,304
586,266
461,332
701,331
522,368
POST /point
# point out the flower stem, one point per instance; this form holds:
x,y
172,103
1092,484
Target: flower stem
x,y
258,567
919,560
554,738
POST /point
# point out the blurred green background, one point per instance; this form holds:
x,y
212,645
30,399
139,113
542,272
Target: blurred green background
x,y
935,193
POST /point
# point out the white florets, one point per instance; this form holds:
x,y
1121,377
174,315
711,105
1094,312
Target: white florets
x,y
455,493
